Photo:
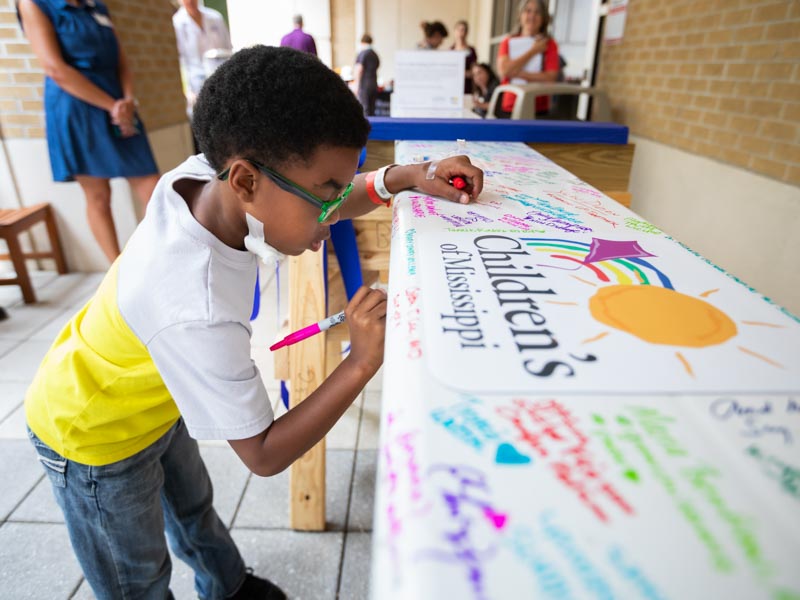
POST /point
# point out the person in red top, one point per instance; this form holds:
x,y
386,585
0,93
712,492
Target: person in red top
x,y
533,22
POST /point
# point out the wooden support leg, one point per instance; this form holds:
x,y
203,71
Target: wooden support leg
x,y
18,259
307,371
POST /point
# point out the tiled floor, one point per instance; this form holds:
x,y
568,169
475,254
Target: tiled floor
x,y
35,556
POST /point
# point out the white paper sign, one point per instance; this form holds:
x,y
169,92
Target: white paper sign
x,y
520,312
517,46
615,21
428,84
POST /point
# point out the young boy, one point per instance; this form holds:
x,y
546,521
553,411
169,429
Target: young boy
x,y
161,353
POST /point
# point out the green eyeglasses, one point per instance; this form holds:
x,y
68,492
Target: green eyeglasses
x,y
326,208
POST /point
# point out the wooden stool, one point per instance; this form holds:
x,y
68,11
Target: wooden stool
x,y
14,221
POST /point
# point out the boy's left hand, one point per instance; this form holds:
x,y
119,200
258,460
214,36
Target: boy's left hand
x,y
446,169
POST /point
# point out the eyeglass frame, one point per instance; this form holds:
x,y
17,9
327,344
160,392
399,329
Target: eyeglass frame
x,y
327,207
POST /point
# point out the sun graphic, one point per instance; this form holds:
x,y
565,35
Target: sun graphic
x,y
661,316
638,299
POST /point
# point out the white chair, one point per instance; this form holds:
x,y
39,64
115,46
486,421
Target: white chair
x,y
525,105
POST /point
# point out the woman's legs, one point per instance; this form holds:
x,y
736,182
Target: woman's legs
x,y
143,187
98,211
98,207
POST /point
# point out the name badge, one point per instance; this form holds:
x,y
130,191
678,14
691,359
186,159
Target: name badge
x,y
102,19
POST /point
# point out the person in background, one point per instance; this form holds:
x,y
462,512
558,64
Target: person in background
x,y
461,31
434,35
365,75
533,22
299,39
93,131
197,30
484,81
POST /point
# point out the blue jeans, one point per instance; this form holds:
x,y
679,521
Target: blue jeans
x,y
117,514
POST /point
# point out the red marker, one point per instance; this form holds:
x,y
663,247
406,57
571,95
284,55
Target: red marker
x,y
458,182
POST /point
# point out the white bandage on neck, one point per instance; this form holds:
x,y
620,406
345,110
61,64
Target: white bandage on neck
x,y
254,241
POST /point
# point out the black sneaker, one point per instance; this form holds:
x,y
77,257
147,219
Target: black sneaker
x,y
255,588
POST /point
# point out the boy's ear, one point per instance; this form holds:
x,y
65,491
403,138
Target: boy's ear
x,y
242,179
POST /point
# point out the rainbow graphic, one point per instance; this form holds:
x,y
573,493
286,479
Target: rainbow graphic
x,y
620,262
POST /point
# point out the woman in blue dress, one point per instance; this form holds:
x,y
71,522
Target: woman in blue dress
x,y
93,132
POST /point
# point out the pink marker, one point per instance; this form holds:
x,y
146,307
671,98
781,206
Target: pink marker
x,y
307,332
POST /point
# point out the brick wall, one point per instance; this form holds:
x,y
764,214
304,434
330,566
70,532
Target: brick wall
x,y
145,31
720,78
20,81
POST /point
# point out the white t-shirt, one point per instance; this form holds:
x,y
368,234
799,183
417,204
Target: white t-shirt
x,y
194,41
188,298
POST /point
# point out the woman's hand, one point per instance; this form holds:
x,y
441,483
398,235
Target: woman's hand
x,y
443,172
123,111
123,115
127,130
366,318
539,46
480,101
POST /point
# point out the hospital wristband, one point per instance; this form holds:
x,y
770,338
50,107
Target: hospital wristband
x,y
382,197
380,185
371,193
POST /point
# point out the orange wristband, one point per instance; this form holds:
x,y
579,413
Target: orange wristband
x,y
373,195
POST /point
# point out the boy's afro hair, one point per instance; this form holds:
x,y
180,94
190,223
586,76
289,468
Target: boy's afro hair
x,y
275,105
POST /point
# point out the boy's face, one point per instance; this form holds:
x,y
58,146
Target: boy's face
x,y
291,223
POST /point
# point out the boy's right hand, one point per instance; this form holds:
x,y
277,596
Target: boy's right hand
x,y
366,318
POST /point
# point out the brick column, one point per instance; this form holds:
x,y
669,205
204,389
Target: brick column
x,y
718,79
21,75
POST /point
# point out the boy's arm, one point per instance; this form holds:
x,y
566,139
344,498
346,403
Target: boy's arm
x,y
406,177
296,432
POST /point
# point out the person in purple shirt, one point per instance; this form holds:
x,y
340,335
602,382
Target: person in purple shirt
x,y
299,39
